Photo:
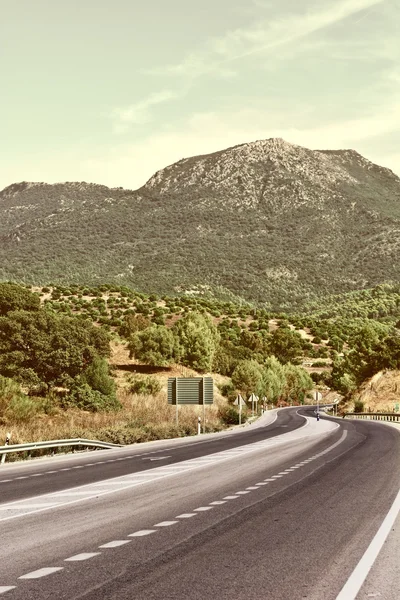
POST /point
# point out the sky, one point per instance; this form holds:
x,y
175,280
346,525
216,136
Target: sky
x,y
110,91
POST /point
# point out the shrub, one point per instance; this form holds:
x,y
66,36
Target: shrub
x,y
82,396
146,386
229,414
358,406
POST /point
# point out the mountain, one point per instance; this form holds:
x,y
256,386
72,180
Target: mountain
x,y
266,221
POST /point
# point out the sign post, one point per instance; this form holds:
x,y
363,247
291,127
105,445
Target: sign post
x,y
253,398
239,402
317,398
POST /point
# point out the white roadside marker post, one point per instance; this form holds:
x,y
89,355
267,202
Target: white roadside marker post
x,y
3,458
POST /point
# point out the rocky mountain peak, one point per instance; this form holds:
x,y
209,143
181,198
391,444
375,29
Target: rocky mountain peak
x,y
252,173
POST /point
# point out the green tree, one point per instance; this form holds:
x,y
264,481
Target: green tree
x,y
286,345
273,380
132,324
197,341
155,345
45,347
15,297
97,375
247,377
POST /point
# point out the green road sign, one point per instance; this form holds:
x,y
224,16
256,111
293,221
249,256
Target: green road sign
x,y
190,390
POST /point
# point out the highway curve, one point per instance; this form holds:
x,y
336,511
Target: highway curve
x,y
285,518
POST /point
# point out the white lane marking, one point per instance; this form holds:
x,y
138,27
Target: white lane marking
x,y
156,458
358,576
218,502
66,469
22,477
82,556
276,477
202,508
48,472
41,573
6,588
186,516
242,492
125,482
230,497
37,475
282,473
142,533
165,523
6,480
30,505
252,487
267,480
262,483
115,544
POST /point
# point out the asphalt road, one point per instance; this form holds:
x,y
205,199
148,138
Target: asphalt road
x,y
284,520
40,476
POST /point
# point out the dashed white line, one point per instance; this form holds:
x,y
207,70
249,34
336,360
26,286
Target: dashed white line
x,y
262,483
252,487
185,516
242,492
6,588
218,502
41,573
203,508
230,497
142,533
115,544
165,523
82,556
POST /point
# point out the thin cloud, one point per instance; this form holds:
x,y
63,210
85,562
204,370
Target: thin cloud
x,y
139,112
264,35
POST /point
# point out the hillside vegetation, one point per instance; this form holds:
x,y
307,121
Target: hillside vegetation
x,y
267,222
83,361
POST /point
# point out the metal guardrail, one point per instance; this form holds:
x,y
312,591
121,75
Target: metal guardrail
x,y
54,444
395,417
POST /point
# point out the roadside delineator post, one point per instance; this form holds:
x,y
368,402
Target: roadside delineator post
x,y
3,458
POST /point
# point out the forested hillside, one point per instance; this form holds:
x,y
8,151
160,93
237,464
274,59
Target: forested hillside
x,y
267,222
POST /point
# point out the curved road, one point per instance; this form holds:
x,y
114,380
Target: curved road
x,y
284,511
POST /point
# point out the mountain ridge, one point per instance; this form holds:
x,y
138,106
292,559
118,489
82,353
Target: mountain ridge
x,y
267,221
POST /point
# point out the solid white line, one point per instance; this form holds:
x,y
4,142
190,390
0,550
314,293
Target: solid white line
x,y
41,573
358,576
165,523
115,544
6,588
29,506
142,532
82,556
